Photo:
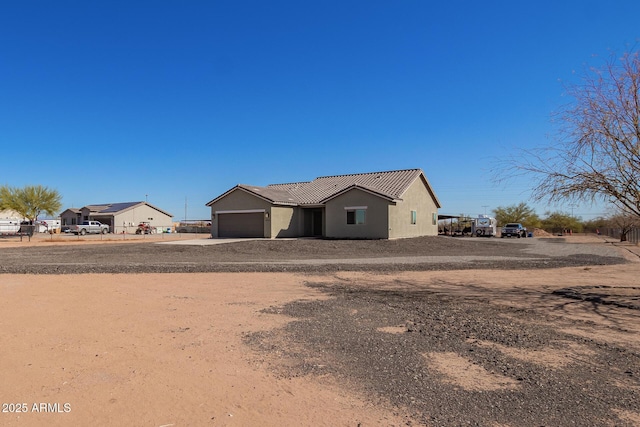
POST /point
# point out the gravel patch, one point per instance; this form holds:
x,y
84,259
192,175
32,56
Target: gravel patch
x,y
390,345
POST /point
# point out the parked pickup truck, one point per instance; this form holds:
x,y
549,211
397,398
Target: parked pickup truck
x,y
91,227
513,229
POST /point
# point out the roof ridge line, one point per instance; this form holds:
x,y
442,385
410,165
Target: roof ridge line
x,y
370,173
289,183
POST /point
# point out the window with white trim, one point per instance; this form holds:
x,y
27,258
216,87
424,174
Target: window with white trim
x,y
356,216
414,217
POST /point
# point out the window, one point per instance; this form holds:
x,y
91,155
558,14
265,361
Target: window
x,y
356,216
414,217
434,218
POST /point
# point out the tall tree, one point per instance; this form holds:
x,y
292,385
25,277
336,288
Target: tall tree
x,y
30,201
597,152
521,213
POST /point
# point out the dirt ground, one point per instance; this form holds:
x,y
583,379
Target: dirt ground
x,y
486,347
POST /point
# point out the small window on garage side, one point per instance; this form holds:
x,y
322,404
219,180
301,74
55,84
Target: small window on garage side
x,y
414,217
356,216
434,218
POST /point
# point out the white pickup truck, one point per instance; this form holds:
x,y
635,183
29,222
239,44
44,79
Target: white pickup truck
x,y
91,227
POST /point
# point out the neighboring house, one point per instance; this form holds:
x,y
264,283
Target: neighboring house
x,y
378,205
120,217
11,215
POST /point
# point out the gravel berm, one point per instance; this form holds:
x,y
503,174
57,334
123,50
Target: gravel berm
x,y
307,255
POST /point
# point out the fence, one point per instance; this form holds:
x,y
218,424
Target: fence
x,y
27,232
633,236
16,229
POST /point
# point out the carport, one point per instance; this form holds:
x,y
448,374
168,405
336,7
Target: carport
x,y
450,218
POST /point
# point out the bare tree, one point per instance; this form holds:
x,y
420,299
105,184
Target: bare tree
x,y
625,222
597,155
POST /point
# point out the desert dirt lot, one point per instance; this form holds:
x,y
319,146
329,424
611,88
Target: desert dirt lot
x,y
438,332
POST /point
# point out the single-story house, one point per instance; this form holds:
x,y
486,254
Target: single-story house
x,y
120,217
377,205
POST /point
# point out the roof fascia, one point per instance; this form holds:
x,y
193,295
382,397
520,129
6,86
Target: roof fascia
x,y
158,209
222,195
246,190
425,181
361,188
430,189
144,204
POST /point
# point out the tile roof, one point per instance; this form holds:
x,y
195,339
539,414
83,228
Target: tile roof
x,y
389,184
272,194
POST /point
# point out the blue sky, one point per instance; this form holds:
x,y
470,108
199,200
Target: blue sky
x,y
177,102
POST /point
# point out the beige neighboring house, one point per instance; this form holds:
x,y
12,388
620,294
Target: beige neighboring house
x,y
120,217
11,215
377,205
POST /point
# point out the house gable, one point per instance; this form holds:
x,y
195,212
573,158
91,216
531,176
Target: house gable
x,y
236,210
416,213
239,198
374,208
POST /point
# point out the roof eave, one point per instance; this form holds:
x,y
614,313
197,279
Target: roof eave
x,y
358,187
248,191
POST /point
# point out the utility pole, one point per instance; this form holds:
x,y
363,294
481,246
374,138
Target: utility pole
x,y
572,206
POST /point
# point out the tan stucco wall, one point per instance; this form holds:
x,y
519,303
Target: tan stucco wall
x,y
285,221
240,200
376,223
143,213
418,198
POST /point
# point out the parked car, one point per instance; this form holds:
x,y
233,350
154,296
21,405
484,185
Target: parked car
x,y
88,227
514,230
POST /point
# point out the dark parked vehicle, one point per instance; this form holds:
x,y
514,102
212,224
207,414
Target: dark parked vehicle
x,y
514,230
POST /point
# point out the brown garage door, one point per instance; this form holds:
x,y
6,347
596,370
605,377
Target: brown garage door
x,y
241,225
